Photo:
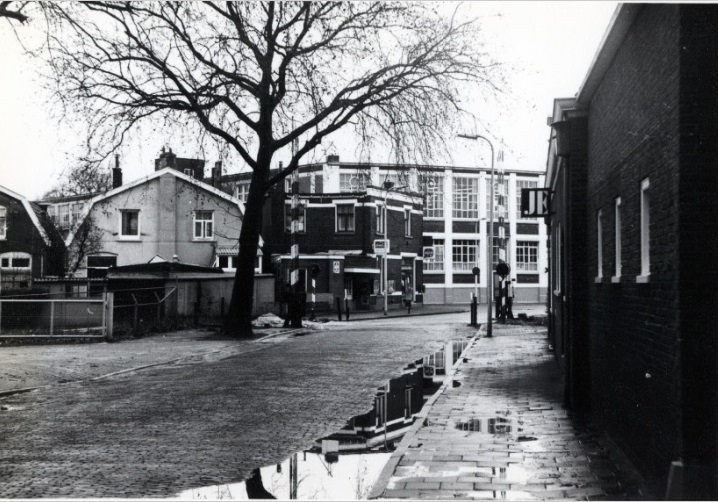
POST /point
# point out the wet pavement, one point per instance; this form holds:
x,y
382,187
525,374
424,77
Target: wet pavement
x,y
205,417
497,430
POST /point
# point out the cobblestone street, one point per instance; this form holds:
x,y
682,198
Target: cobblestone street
x,y
206,419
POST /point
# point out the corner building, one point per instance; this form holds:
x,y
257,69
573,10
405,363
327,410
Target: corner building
x,y
451,206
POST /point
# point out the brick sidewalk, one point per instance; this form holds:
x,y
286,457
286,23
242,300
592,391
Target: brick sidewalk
x,y
503,433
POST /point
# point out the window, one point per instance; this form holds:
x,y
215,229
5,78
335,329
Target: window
x,y
556,254
380,218
645,230
407,222
241,191
3,222
203,223
301,217
407,402
520,185
75,213
345,217
599,243
465,255
353,182
130,223
617,235
527,256
433,188
97,265
466,198
500,198
16,261
63,215
437,262
188,171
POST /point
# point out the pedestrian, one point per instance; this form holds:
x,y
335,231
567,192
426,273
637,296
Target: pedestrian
x,y
408,296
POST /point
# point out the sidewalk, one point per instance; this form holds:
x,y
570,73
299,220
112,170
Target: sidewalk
x,y
499,431
531,309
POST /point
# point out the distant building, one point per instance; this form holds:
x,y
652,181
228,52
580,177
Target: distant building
x,y
160,216
30,245
455,203
634,243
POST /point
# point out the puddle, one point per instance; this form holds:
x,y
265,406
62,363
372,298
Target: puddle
x,y
9,407
346,464
493,425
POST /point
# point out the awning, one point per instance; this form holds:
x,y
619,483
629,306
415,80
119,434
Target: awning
x,y
232,250
359,270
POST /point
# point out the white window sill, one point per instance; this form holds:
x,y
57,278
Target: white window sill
x,y
131,238
616,279
434,272
643,279
598,280
203,239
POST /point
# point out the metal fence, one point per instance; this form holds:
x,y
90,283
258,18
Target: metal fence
x,y
53,317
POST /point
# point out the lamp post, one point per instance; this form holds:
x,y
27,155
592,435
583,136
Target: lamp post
x,y
490,240
388,186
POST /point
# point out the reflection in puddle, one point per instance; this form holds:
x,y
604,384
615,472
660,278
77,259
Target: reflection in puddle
x,y
494,425
346,464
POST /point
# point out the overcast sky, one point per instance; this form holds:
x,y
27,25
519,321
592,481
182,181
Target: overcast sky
x,y
547,48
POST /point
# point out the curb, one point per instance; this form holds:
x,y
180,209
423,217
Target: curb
x,y
11,392
402,315
388,470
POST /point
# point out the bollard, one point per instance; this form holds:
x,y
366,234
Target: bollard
x,y
339,308
474,311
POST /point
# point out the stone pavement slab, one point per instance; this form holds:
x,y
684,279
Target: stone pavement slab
x,y
499,431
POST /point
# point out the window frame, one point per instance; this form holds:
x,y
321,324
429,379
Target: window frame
x,y
617,242
529,248
407,222
498,193
380,220
203,222
520,184
465,247
434,206
645,232
464,200
435,264
130,237
11,256
352,218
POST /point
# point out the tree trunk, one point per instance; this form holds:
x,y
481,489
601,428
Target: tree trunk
x,y
238,321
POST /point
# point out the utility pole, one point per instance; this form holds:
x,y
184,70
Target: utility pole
x,y
294,304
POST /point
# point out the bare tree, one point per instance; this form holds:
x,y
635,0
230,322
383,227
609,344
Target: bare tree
x,y
264,77
13,11
84,179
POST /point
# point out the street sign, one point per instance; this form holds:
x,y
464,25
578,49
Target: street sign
x,y
428,252
535,202
335,267
503,269
381,246
476,271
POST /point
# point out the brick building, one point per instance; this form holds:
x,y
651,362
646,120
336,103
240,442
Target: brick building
x,y
634,263
455,209
30,246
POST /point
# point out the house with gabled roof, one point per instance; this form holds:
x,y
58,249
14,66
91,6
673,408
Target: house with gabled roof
x,y
30,245
166,215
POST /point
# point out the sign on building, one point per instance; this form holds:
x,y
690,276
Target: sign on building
x,y
535,202
381,246
428,252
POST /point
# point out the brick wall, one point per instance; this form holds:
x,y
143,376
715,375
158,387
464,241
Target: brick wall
x,y
697,262
633,134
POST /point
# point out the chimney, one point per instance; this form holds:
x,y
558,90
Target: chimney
x,y
166,159
216,173
332,159
116,173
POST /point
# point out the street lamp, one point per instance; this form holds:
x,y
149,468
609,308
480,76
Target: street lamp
x,y
388,186
490,240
